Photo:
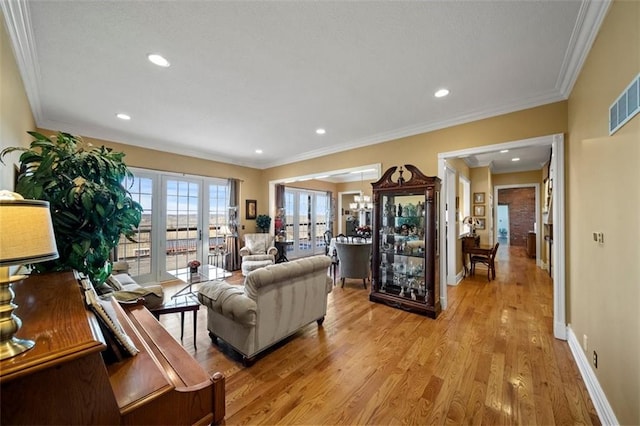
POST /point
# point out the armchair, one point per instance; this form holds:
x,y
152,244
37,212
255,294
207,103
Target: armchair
x,y
258,251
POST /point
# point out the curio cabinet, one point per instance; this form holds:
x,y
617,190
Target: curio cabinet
x,y
405,261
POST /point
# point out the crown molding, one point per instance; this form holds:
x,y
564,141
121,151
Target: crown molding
x,y
18,23
590,17
537,101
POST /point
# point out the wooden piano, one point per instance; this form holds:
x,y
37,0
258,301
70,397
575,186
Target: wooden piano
x,y
65,380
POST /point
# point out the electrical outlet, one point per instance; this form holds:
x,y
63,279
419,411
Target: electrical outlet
x,y
595,237
600,238
595,359
584,342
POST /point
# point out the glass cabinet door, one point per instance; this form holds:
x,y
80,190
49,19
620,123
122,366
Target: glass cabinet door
x,y
402,246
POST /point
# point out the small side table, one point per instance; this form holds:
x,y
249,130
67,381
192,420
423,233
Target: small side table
x,y
282,251
180,304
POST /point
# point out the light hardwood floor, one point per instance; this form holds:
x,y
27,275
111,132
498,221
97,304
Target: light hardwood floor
x,y
490,358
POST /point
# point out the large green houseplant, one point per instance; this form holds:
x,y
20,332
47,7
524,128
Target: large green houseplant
x,y
263,222
90,207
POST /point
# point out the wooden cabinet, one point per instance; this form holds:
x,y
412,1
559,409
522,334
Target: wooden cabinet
x,y
65,380
405,261
531,244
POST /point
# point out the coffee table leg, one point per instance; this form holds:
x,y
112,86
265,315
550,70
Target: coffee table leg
x,y
181,325
195,322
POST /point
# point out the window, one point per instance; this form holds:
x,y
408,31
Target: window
x,y
137,253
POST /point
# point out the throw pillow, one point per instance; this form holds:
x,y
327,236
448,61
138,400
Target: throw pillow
x,y
257,246
113,283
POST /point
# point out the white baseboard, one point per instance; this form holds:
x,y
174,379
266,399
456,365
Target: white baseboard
x,y
599,399
560,330
458,278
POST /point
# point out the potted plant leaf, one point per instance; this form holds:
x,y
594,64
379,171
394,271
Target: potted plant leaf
x,y
90,207
263,222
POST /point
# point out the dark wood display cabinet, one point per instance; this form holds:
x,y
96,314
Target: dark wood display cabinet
x,y
405,263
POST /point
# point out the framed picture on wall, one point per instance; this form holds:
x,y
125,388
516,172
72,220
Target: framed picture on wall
x,y
478,210
251,209
478,197
481,223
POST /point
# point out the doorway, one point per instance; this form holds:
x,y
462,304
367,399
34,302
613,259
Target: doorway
x,y
502,225
556,142
520,204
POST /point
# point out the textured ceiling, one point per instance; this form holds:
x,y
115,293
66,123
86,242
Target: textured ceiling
x,y
264,75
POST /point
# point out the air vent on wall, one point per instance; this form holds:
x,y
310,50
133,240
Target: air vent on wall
x,y
625,107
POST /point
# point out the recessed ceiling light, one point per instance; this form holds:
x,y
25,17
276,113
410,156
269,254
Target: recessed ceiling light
x,y
123,116
504,150
321,131
441,93
158,60
515,159
258,151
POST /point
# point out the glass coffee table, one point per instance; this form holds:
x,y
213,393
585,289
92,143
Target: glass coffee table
x,y
190,278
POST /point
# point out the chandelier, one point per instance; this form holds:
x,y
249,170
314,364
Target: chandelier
x,y
361,202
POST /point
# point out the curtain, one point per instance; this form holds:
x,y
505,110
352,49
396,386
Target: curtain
x,y
279,196
232,261
280,213
331,214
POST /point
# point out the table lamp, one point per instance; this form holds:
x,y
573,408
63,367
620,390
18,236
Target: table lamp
x,y
472,222
26,236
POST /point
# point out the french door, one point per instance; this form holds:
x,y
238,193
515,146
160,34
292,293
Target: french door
x,y
307,215
183,219
196,222
183,224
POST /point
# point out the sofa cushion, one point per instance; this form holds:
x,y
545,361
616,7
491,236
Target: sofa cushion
x,y
124,279
230,301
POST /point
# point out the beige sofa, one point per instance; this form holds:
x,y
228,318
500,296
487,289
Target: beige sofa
x,y
274,303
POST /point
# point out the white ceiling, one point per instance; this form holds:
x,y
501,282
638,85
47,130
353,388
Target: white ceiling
x,y
265,74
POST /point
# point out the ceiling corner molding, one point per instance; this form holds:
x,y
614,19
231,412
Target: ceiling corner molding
x,y
18,23
518,105
584,33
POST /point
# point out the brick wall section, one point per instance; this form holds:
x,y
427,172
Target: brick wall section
x,y
522,210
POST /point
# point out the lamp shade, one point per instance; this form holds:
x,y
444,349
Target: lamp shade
x,y
26,231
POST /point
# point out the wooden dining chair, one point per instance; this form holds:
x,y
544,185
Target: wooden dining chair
x,y
328,235
358,239
488,261
342,238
